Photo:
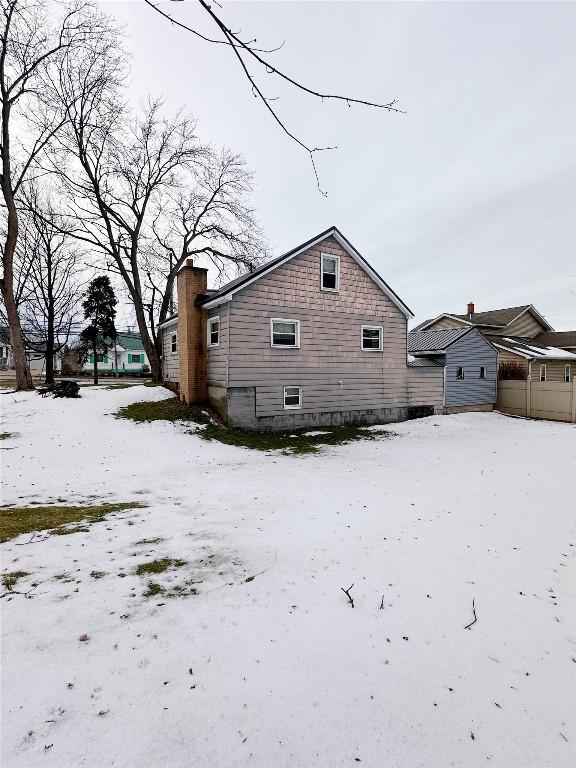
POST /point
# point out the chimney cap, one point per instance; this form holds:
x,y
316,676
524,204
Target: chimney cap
x,y
189,262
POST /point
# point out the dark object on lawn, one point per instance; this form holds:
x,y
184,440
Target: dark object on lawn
x,y
61,389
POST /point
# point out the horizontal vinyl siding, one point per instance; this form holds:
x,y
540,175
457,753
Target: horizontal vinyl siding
x,y
471,351
527,325
170,370
445,323
218,356
330,339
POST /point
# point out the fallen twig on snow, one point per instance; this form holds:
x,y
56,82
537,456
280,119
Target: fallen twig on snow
x,y
382,603
347,593
474,612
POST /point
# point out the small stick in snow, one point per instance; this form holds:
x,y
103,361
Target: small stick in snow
x,y
382,603
347,593
474,612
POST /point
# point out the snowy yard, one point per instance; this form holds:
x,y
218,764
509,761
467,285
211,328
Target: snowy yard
x,y
268,665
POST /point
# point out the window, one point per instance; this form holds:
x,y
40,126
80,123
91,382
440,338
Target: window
x,y
542,373
330,273
100,358
567,374
214,331
135,358
482,371
460,372
174,343
284,333
292,397
372,338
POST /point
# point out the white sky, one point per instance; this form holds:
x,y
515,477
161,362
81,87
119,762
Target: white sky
x,y
470,195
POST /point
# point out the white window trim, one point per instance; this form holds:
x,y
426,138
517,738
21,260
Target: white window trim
x,y
337,260
463,377
379,328
483,368
542,370
567,374
284,320
172,343
211,320
293,407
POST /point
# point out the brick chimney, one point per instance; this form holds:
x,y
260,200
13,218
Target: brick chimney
x,y
470,310
192,353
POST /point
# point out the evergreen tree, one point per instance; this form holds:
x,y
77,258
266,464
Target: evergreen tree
x,y
100,308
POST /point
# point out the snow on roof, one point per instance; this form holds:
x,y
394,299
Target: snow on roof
x,y
531,348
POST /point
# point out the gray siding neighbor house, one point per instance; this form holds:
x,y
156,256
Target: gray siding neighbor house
x,y
470,365
314,337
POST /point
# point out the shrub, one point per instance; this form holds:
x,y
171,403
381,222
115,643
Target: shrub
x,y
511,370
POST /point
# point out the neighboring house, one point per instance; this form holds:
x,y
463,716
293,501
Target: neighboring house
x,y
523,321
6,360
539,361
470,364
562,339
36,359
314,337
126,355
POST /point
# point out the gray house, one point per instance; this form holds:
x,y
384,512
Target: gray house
x,y
470,364
314,337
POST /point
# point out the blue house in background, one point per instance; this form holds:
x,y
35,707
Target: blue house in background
x,y
470,366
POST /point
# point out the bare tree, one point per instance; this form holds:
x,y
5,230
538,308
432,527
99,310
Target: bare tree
x,y
50,308
211,218
127,177
248,55
31,50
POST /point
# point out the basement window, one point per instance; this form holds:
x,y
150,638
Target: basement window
x,y
284,333
174,343
482,371
542,373
214,331
330,273
372,338
460,372
292,397
567,374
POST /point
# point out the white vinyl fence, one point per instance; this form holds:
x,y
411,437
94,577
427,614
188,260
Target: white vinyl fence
x,y
538,399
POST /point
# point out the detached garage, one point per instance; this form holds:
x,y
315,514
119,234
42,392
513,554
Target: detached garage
x,y
470,366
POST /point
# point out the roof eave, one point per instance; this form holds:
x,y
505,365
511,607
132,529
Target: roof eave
x,y
344,243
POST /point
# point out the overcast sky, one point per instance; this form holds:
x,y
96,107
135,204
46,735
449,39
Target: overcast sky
x,y
470,195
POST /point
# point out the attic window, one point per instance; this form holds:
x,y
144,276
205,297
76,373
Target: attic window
x,y
214,331
460,372
330,273
482,371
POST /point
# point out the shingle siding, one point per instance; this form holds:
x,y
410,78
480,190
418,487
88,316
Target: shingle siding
x,y
331,367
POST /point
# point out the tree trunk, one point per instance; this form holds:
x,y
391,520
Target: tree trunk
x,y
95,357
23,375
50,328
151,352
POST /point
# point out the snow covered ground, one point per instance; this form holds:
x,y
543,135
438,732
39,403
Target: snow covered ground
x,y
269,665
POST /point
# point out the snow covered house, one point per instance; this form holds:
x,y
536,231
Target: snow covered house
x,y
314,337
538,361
470,364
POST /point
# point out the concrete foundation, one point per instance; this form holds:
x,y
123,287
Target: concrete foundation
x,y
241,413
484,407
